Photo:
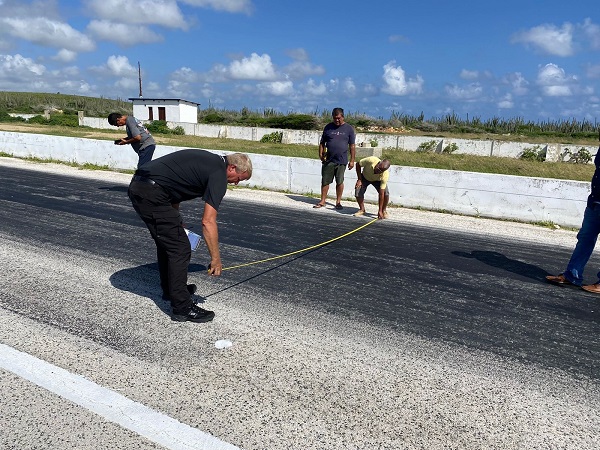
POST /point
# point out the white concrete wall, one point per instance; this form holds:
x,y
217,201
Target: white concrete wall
x,y
384,141
486,195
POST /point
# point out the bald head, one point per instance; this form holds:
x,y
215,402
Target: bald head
x,y
382,166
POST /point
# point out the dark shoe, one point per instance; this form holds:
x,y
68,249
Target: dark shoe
x,y
339,206
195,314
192,288
559,280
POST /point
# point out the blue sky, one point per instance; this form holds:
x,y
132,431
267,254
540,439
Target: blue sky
x,y
535,60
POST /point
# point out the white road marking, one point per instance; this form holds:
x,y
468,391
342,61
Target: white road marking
x,y
146,422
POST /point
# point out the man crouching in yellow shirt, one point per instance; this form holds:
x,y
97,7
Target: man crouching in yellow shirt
x,y
372,170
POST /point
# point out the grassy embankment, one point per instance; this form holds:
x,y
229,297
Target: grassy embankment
x,y
573,133
470,163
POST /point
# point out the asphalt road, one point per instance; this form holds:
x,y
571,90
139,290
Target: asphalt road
x,y
395,336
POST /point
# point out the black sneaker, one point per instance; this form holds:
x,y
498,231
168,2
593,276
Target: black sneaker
x,y
192,288
195,314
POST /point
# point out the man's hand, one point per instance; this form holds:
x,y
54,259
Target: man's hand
x,y
351,165
215,268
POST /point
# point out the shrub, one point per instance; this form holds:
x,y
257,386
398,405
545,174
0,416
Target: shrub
x,y
533,154
374,142
274,137
5,117
158,126
214,118
426,146
65,120
293,122
581,156
38,119
450,148
178,130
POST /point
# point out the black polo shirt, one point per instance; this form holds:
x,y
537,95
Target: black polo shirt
x,y
188,174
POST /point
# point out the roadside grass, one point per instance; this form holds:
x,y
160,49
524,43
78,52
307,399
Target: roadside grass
x,y
459,162
481,164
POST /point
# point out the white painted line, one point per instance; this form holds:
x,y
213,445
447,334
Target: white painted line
x,y
146,422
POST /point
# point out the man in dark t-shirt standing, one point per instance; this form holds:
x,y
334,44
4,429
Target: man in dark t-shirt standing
x,y
338,138
155,192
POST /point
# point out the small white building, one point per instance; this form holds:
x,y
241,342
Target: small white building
x,y
167,109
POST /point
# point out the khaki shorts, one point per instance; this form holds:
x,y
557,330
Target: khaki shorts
x,y
331,170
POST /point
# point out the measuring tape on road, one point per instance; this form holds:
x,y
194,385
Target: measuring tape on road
x,y
303,250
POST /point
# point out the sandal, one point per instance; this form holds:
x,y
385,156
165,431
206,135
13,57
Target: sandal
x,y
559,280
318,205
339,206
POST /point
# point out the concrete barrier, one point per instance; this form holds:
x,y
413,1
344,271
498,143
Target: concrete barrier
x,y
486,195
507,149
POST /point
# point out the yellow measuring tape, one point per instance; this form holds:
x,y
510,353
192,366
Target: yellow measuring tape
x,y
304,249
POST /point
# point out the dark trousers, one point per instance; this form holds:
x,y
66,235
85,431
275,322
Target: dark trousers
x,y
173,250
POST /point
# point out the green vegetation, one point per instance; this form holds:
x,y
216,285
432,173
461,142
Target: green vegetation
x,y
63,121
426,147
536,153
581,156
160,127
32,103
450,148
275,137
491,164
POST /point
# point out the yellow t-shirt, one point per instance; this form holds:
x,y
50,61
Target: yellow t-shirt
x,y
368,171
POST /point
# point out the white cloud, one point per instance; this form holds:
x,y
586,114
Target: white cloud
x,y
592,33
348,87
506,102
127,84
554,82
185,74
472,91
301,67
520,86
146,12
76,87
299,54
395,83
232,6
65,55
469,74
19,68
116,66
253,68
548,39
397,38
277,88
314,89
120,33
47,33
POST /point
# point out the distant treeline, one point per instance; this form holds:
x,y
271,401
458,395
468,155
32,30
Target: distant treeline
x,y
37,103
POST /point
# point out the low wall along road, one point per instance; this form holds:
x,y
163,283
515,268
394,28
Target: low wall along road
x,y
487,195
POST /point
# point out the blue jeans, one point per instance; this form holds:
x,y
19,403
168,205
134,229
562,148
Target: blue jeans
x,y
586,241
145,155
